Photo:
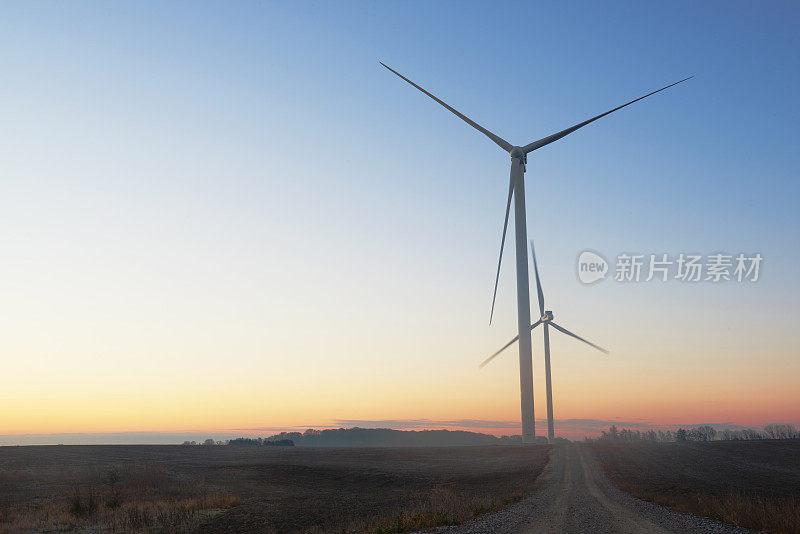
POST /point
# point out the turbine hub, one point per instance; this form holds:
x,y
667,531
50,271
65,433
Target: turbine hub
x,y
548,316
517,152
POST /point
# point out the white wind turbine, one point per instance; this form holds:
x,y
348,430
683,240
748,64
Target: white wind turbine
x,y
516,189
546,320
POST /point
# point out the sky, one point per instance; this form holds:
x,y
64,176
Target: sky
x,y
228,218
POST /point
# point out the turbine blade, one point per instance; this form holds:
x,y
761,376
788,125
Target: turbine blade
x,y
538,283
579,338
493,356
556,136
502,143
502,242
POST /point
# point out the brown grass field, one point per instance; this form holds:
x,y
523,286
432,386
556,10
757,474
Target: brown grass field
x,y
263,489
752,484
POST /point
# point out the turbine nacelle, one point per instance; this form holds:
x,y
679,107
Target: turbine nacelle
x,y
517,152
546,318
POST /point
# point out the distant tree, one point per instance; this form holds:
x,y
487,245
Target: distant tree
x,y
627,434
709,432
612,432
680,435
780,431
244,441
701,433
749,433
279,443
208,442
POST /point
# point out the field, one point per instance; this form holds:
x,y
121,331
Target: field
x,y
265,489
753,484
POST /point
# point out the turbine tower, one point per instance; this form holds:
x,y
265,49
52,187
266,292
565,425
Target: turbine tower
x,y
546,320
516,190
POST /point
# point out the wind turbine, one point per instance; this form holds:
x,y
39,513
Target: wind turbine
x,y
546,320
516,189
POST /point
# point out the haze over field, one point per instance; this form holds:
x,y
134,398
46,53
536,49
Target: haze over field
x,y
222,223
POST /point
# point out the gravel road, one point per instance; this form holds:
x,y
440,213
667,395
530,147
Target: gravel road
x,y
573,495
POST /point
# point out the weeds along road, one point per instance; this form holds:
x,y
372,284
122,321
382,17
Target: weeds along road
x,y
573,495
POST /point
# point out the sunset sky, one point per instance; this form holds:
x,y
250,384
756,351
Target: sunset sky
x,y
230,219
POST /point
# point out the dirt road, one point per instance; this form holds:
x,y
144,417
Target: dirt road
x,y
573,495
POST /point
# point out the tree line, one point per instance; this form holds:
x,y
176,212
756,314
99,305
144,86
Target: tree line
x,y
244,441
371,437
262,442
701,433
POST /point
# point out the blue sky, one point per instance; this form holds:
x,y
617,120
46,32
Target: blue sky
x,y
197,199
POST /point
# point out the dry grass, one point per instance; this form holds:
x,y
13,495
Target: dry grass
x,y
758,512
124,498
180,515
441,507
749,484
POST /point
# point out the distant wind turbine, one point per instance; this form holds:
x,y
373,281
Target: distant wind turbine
x,y
546,319
516,189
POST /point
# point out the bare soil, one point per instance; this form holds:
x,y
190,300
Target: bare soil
x,y
752,484
266,489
